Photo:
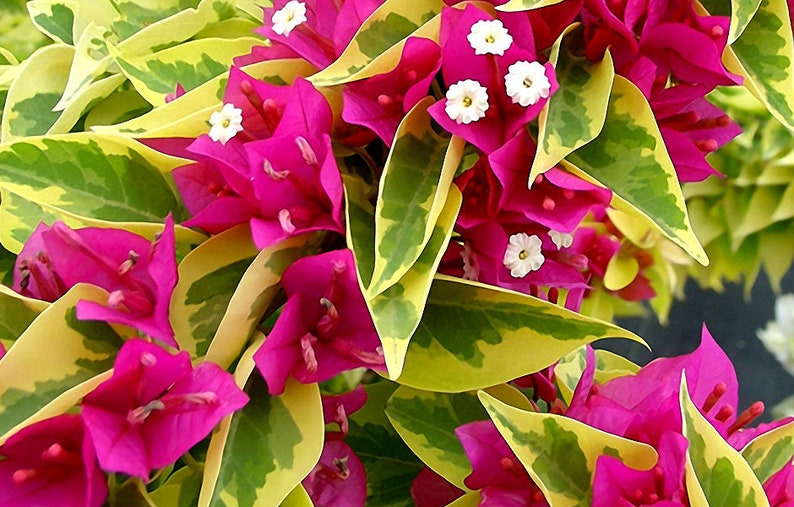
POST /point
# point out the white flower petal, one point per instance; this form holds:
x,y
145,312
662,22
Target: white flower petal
x,y
226,123
523,254
561,239
467,101
288,17
489,37
526,83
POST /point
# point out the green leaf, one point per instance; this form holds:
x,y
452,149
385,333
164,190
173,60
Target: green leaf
x,y
259,454
298,498
629,157
377,46
54,18
411,196
190,64
763,55
208,278
769,452
575,114
76,352
90,176
90,61
560,453
389,463
397,311
181,489
568,371
16,313
252,296
714,468
426,421
37,87
446,356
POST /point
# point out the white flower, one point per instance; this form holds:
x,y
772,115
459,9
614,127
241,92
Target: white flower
x,y
526,83
226,123
523,254
778,336
467,101
288,17
489,37
471,268
561,239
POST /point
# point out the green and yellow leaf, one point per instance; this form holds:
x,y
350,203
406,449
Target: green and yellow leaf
x,y
630,157
76,351
54,18
718,471
90,61
208,279
769,452
575,114
525,5
446,355
297,498
412,194
376,47
181,489
258,455
560,453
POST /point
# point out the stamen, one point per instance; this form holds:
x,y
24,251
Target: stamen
x,y
139,415
385,101
53,452
23,474
202,398
148,359
341,419
549,204
328,322
130,263
716,393
707,145
746,417
725,412
307,350
306,150
341,465
270,171
285,220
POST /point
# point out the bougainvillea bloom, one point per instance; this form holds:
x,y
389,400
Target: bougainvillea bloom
x,y
155,407
523,254
336,408
279,174
325,327
139,275
51,462
339,479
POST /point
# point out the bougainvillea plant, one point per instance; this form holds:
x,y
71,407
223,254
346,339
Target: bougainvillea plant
x,y
355,252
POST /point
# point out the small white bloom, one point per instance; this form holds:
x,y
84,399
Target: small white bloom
x,y
561,239
523,254
467,101
288,17
526,83
489,36
226,123
778,336
471,268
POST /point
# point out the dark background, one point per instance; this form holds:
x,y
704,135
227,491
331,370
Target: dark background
x,y
733,322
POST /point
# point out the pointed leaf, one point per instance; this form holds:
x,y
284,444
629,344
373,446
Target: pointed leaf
x,y
16,313
446,356
76,351
179,490
769,452
574,115
398,311
525,5
412,194
54,18
208,277
376,47
390,465
720,472
190,64
90,61
763,55
37,87
258,455
298,498
560,453
629,157
256,290
360,234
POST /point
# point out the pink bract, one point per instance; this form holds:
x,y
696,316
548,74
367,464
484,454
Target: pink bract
x,y
339,479
51,462
325,327
139,275
155,407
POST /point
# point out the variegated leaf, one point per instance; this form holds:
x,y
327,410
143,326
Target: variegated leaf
x,y
376,47
16,314
411,196
179,490
37,87
297,498
190,64
259,454
574,115
90,61
763,55
76,351
769,452
630,157
54,18
445,355
718,471
568,371
525,5
208,278
256,290
560,453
